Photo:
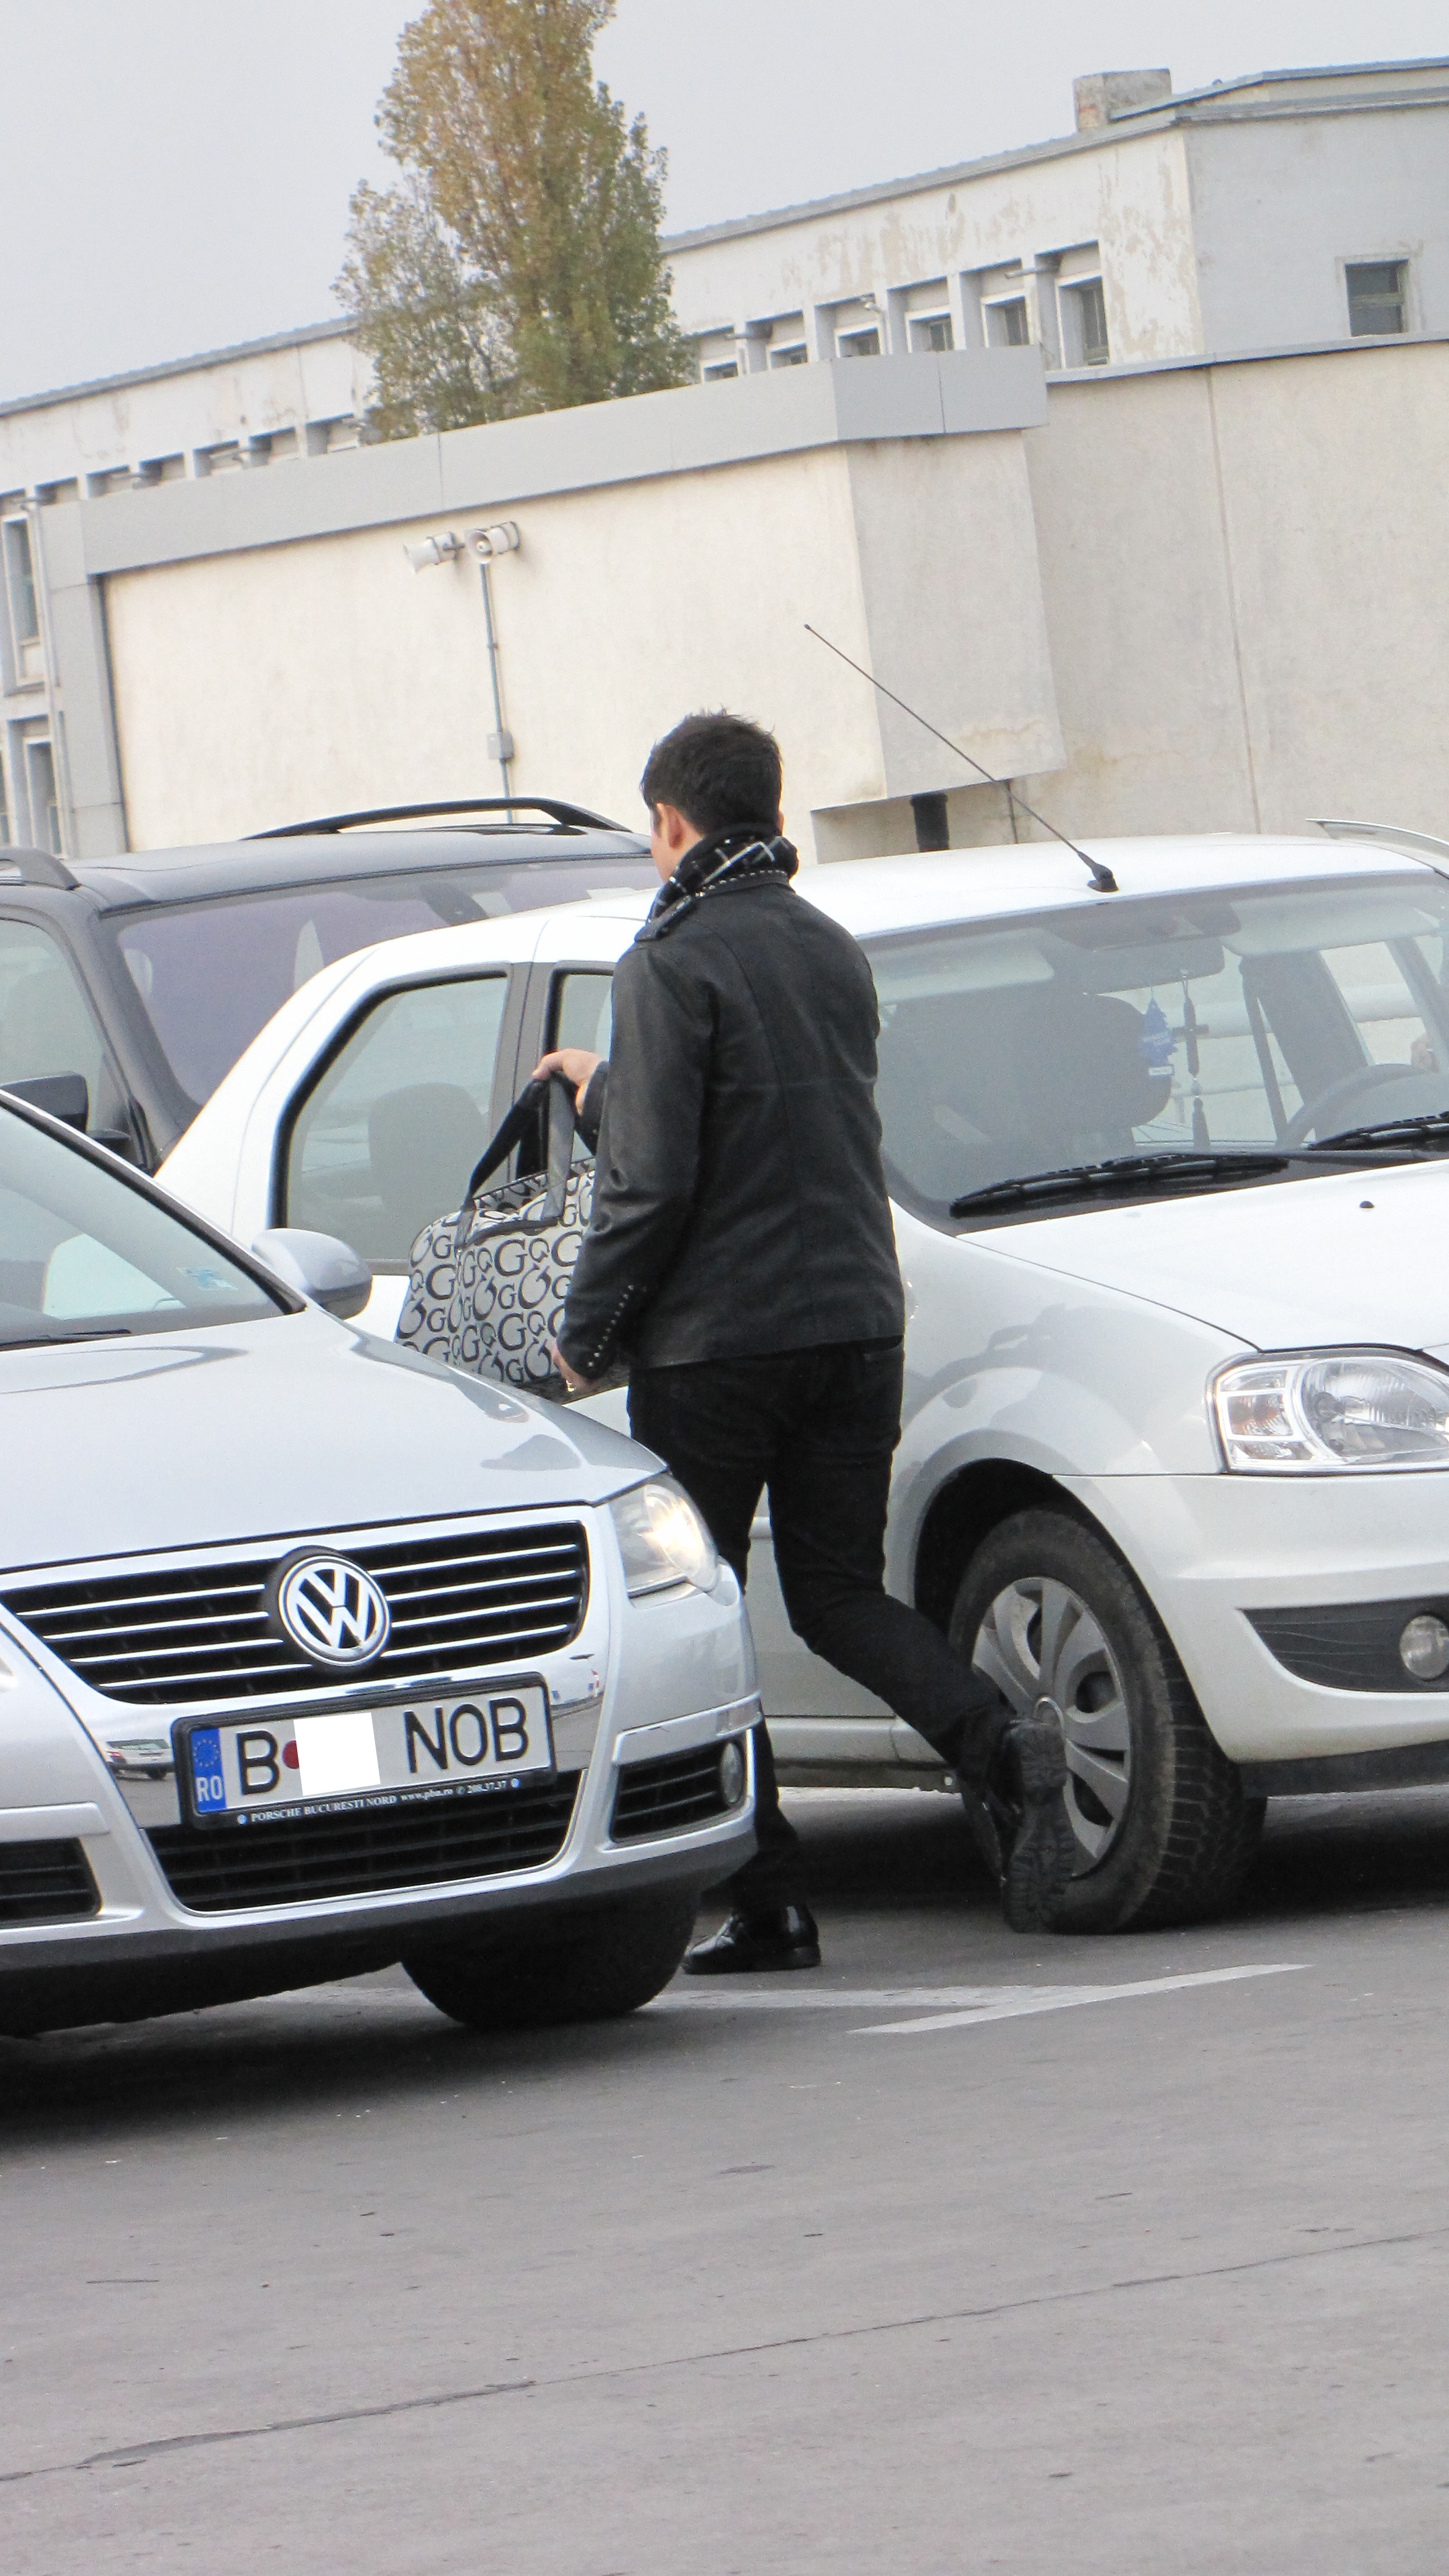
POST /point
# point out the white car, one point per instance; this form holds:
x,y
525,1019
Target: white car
x,y
314,1656
1175,1462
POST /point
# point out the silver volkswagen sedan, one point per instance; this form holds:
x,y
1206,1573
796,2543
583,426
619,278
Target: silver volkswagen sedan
x,y
315,1657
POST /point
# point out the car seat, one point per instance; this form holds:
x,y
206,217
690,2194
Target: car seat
x,y
979,1087
423,1143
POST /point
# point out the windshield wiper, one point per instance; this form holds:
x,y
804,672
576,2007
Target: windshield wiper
x,y
45,1341
1177,1163
1430,1122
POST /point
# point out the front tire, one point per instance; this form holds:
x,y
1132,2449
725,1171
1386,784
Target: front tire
x,y
1052,1618
587,1963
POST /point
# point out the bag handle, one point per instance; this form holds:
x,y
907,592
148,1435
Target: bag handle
x,y
555,1097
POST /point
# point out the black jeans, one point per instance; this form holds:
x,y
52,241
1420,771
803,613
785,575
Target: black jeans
x,y
818,1428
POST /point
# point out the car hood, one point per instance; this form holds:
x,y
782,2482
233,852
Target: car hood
x,y
271,1430
1354,1257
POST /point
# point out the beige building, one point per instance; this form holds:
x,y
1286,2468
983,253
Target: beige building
x,y
1194,596
1286,210
1019,558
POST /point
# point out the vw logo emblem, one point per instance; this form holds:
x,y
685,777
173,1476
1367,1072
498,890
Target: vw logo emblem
x,y
330,1609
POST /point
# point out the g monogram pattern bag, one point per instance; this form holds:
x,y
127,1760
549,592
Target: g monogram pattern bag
x,y
488,1284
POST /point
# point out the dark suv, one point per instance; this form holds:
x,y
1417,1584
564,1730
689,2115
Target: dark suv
x,y
129,986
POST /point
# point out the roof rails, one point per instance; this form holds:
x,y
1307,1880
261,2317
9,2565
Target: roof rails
x,y
574,818
1388,836
37,867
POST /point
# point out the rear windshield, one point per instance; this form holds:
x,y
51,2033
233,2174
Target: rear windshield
x,y
1262,1018
84,1253
212,974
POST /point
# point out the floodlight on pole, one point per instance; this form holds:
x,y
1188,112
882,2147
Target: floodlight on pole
x,y
434,550
503,537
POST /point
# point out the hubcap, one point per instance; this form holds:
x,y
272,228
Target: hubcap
x,y
1044,1651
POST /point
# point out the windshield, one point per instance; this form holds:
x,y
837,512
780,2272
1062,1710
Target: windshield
x,y
83,1253
1202,1024
211,974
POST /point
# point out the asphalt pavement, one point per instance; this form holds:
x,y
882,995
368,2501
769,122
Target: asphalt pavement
x,y
969,2252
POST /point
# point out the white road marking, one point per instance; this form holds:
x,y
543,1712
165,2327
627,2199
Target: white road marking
x,y
946,2007
1009,2003
802,1996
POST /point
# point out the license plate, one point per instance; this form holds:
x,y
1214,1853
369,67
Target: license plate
x,y
328,1761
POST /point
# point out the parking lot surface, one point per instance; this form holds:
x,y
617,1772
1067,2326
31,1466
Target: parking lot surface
x,y
968,2252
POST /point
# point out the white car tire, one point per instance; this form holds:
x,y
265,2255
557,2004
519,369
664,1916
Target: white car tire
x,y
590,1963
1052,1617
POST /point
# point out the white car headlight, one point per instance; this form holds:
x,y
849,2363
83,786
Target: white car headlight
x,y
663,1540
1332,1409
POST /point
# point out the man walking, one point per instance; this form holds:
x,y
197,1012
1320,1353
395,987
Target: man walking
x,y
742,1254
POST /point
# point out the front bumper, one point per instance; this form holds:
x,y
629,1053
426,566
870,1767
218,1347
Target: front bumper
x,y
643,1684
1211,1551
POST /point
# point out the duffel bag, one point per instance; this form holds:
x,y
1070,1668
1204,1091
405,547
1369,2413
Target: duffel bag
x,y
487,1285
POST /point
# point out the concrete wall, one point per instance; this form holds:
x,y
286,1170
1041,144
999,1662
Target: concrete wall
x,y
1280,205
1128,194
673,550
305,678
269,389
1244,571
1188,599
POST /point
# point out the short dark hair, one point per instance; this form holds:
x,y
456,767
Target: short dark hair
x,y
719,771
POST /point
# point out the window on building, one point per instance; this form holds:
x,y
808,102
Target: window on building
x,y
859,344
718,369
931,331
1084,324
6,835
47,494
1377,296
159,469
793,354
44,802
20,582
1008,324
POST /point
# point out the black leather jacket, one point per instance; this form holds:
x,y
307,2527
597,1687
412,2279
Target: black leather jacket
x,y
739,1201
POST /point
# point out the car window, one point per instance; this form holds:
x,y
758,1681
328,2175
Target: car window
x,y
211,974
46,1027
389,1134
81,1253
581,1014
1267,1017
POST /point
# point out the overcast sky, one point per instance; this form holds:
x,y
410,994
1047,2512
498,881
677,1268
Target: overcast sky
x,y
174,174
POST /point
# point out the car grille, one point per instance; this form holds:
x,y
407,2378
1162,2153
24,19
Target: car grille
x,y
45,1883
368,1852
663,1797
177,1635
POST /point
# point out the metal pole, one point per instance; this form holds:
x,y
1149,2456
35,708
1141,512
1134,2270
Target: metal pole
x,y
502,743
59,748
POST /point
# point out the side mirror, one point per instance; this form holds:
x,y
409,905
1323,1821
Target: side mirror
x,y
318,1266
65,1096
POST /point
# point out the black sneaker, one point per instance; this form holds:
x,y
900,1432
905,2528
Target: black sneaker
x,y
756,1945
1020,1826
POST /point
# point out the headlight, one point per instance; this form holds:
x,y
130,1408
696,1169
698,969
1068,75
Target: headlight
x,y
663,1540
1329,1409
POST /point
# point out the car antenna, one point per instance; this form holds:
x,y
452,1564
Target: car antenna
x,y
1102,877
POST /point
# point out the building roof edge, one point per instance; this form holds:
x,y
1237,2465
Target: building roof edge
x,y
176,367
1145,120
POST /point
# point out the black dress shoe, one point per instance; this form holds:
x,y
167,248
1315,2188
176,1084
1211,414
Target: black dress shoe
x,y
751,1945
